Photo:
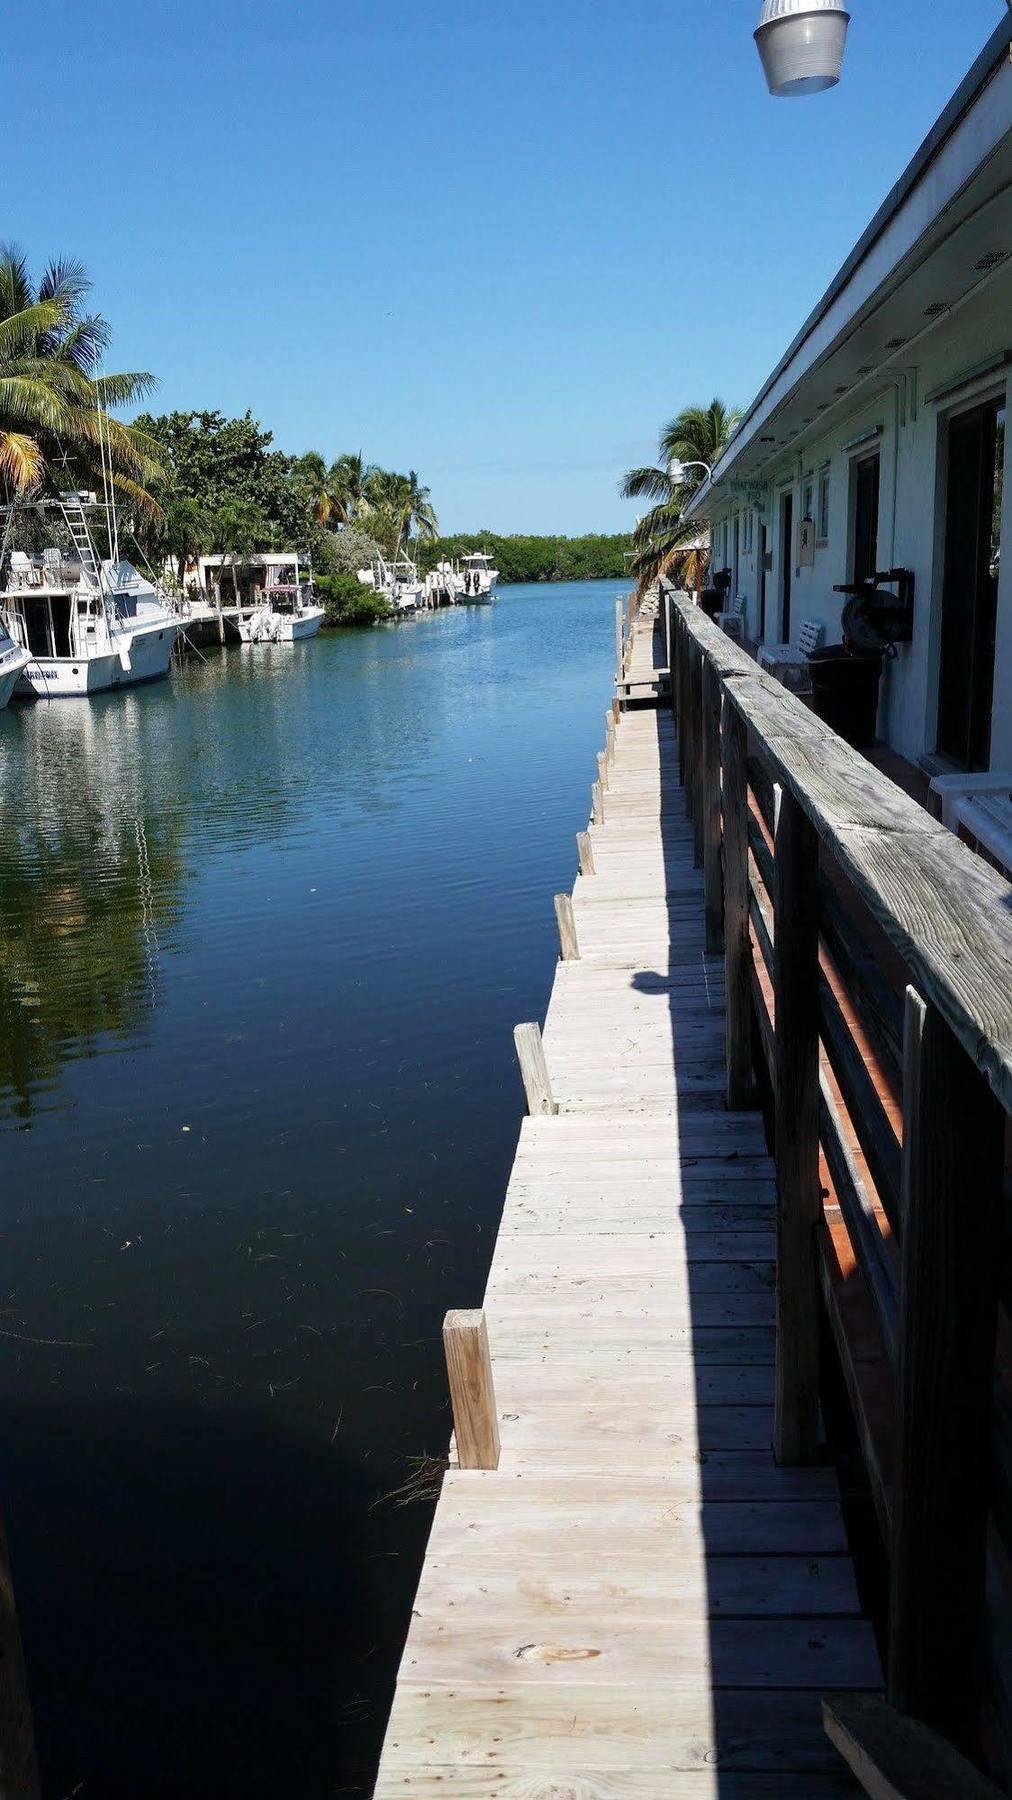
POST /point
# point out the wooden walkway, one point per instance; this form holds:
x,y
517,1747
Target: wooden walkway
x,y
637,1602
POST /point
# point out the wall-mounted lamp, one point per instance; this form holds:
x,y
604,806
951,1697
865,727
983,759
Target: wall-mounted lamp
x,y
801,44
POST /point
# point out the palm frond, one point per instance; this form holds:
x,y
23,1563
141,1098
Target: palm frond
x,y
21,461
648,483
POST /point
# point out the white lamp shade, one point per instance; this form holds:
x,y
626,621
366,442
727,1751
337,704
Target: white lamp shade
x,y
801,44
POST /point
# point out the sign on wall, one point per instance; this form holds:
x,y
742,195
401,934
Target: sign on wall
x,y
806,543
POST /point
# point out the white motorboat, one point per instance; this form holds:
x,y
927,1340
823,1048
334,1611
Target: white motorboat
x,y
398,581
288,611
477,576
12,661
84,623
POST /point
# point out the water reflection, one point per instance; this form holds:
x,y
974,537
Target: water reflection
x,y
90,891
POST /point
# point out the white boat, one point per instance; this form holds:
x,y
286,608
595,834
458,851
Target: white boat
x,y
288,611
83,623
398,581
477,576
12,660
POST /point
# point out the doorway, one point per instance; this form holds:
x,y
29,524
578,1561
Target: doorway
x,y
866,497
786,563
762,581
970,584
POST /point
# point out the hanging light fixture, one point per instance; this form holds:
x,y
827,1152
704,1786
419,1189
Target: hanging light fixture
x,y
801,44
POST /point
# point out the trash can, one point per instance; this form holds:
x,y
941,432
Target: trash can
x,y
845,686
712,601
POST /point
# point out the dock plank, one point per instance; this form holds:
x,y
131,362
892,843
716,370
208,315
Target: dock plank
x,y
637,1601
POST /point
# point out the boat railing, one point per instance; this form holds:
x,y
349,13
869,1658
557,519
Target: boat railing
x,y
868,967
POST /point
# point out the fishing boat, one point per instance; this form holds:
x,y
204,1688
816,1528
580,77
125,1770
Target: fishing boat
x,y
12,661
398,581
83,622
287,611
477,576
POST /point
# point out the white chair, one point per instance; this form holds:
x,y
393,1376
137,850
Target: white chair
x,y
23,570
52,564
982,805
789,662
733,621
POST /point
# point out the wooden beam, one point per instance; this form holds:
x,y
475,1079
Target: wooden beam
x,y
737,944
585,852
796,1089
897,1758
951,1257
472,1392
534,1069
568,942
713,879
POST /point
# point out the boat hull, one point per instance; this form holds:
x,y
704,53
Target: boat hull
x,y
145,657
282,628
10,672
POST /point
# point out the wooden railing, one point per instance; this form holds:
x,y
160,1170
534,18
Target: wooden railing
x,y
868,961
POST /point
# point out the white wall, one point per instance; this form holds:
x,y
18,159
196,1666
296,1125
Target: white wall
x,y
911,445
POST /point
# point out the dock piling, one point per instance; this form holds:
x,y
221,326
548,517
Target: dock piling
x,y
585,851
534,1070
597,803
568,943
472,1392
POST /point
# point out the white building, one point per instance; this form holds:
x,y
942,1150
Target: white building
x,y
879,443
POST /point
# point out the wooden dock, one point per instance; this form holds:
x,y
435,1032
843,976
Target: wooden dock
x,y
637,1600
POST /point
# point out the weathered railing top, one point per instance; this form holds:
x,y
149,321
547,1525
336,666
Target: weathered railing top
x,y
947,914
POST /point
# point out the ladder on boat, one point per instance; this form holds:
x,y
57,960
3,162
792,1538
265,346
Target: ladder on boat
x,y
77,525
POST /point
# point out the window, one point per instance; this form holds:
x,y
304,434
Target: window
x,y
822,524
807,498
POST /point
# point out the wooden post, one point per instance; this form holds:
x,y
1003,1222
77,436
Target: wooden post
x,y
568,944
609,736
534,1070
951,1259
713,880
619,643
672,619
472,1393
891,1754
796,1100
686,724
585,852
680,708
696,703
597,803
602,768
737,943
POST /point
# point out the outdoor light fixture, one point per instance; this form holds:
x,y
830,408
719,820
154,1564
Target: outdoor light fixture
x,y
677,469
801,44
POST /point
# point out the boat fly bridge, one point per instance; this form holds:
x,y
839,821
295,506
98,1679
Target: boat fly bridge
x,y
82,621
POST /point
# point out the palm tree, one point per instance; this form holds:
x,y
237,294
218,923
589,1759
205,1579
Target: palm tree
x,y
347,481
698,434
184,532
394,504
54,422
312,473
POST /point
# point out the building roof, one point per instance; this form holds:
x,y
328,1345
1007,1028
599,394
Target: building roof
x,y
963,165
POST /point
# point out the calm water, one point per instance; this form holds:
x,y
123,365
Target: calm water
x,y
264,935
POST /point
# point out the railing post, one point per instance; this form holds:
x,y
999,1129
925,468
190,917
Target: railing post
x,y
619,645
696,701
681,707
796,1133
737,944
602,767
597,804
950,1218
713,882
686,726
585,852
472,1393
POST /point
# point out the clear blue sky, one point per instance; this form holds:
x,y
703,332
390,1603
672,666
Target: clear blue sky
x,y
497,241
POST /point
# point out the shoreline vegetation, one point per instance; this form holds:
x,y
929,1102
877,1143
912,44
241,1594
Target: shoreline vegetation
x,y
194,483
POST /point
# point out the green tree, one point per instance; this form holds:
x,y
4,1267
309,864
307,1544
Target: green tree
x,y
698,434
54,422
217,461
236,530
183,532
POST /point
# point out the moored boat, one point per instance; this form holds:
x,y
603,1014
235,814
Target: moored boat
x,y
477,577
288,611
83,623
12,661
